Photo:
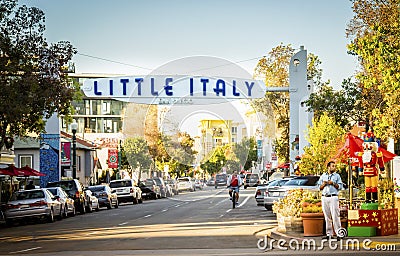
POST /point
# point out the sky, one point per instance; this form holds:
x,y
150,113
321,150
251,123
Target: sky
x,y
136,37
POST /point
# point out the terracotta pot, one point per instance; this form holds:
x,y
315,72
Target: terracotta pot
x,y
313,223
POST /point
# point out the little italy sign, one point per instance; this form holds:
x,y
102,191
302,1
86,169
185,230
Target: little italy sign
x,y
178,89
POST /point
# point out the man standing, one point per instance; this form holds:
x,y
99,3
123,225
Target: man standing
x,y
330,183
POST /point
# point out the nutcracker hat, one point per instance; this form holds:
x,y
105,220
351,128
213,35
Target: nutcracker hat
x,y
369,137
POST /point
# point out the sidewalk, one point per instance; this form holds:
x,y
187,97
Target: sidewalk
x,y
290,240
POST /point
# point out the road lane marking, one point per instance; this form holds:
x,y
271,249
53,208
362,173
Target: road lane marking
x,y
164,210
245,201
229,210
26,250
147,216
123,223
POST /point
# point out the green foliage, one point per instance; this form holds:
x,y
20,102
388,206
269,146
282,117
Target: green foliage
x,y
33,74
375,33
274,70
137,154
344,106
324,136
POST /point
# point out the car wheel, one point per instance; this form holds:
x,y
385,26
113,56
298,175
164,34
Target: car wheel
x,y
9,222
82,208
140,200
216,186
50,217
135,200
268,207
116,204
73,213
98,208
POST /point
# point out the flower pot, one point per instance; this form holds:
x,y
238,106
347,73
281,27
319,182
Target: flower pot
x,y
313,223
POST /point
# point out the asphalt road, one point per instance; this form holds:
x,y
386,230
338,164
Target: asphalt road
x,y
200,222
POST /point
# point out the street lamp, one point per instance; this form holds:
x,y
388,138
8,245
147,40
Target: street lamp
x,y
74,127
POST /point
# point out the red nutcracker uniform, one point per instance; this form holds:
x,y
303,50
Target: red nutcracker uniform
x,y
370,161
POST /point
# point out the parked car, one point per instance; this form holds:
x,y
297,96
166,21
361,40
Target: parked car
x,y
198,184
67,203
74,189
92,203
220,180
127,191
106,197
301,182
185,184
211,182
163,187
260,190
32,203
174,185
251,180
150,190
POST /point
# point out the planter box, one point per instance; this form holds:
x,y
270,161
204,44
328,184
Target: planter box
x,y
289,224
361,231
385,221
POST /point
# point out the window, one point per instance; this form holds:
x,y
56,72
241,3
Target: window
x,y
234,130
26,160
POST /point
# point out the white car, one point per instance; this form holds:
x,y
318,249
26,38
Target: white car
x,y
127,191
185,183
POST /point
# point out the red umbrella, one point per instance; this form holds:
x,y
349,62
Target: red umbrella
x,y
32,172
5,171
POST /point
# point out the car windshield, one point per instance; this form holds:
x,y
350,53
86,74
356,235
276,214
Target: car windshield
x,y
302,182
66,185
148,183
183,179
120,183
96,189
220,176
22,195
274,183
254,176
158,181
53,190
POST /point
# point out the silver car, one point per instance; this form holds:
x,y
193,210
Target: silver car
x,y
32,203
260,190
67,203
300,182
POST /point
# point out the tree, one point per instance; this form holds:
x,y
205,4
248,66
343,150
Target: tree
x,y
137,153
344,106
274,70
33,74
246,152
324,136
374,32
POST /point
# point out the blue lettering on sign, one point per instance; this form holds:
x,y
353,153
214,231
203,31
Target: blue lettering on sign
x,y
219,90
167,87
191,86
143,86
234,89
249,87
124,82
153,92
96,90
111,87
204,81
139,82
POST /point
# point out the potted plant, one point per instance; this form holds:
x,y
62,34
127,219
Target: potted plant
x,y
289,208
313,217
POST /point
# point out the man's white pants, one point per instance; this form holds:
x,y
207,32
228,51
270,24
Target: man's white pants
x,y
330,207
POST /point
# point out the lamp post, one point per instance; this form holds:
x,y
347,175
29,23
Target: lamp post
x,y
74,127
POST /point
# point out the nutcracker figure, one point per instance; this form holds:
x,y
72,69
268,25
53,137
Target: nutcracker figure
x,y
370,163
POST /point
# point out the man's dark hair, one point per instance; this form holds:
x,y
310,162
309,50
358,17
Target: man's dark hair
x,y
329,163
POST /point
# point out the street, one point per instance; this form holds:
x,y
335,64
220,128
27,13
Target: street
x,y
191,220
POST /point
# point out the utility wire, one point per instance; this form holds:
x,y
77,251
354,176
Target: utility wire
x,y
136,66
113,61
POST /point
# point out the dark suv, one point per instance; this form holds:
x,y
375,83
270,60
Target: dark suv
x,y
74,189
